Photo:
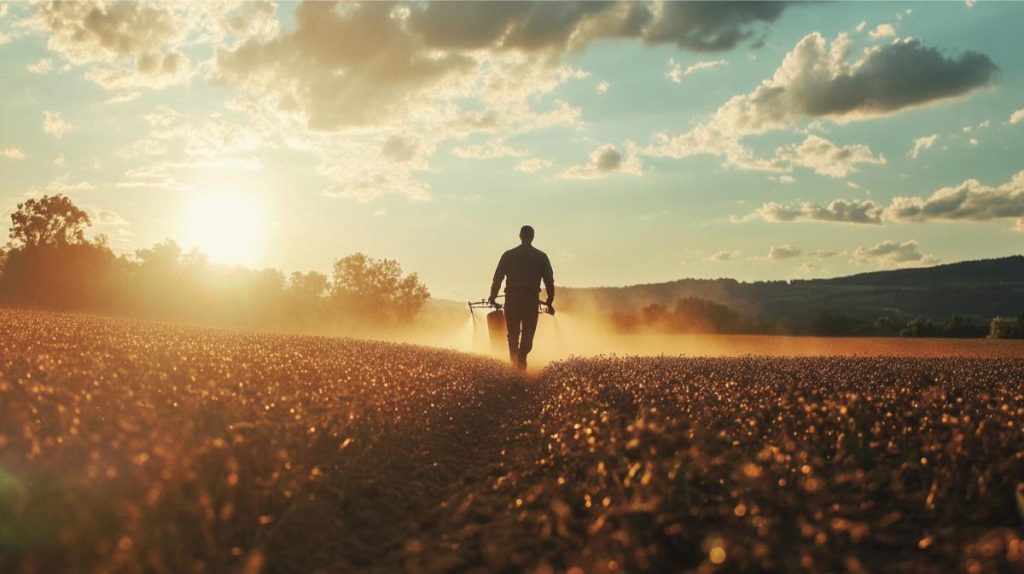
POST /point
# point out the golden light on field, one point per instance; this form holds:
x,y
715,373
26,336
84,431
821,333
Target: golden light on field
x,y
228,228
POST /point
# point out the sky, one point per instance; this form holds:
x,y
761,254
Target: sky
x,y
645,142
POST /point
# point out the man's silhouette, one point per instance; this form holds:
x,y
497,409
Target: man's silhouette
x,y
522,268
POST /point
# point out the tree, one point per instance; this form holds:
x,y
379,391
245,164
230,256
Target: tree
x,y
695,315
375,290
307,286
52,220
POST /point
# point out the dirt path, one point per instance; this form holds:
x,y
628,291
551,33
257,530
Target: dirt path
x,y
417,480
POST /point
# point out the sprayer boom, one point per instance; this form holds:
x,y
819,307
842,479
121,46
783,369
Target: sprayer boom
x,y
483,304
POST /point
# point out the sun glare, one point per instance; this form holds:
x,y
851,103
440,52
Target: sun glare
x,y
228,229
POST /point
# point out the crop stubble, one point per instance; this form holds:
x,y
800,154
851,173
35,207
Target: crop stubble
x,y
134,446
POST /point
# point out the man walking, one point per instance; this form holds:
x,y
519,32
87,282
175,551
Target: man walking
x,y
522,269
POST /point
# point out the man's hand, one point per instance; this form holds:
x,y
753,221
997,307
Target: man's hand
x,y
492,300
551,308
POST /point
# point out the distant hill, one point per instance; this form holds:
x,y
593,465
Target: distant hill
x,y
981,289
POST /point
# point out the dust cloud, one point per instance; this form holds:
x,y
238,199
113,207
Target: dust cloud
x,y
569,334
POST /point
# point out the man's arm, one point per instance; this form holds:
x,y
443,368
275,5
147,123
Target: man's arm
x,y
549,280
499,276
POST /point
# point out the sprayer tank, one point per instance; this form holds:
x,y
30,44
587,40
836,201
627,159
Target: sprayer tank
x,y
497,330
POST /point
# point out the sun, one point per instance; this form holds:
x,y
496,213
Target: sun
x,y
229,229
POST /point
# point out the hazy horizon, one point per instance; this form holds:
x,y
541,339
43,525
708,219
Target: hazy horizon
x,y
646,143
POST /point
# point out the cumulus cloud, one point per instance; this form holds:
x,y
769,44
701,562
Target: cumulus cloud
x,y
602,87
12,153
127,45
62,184
320,68
214,140
826,158
817,80
363,181
493,148
889,253
42,67
883,31
969,201
724,256
923,143
558,26
399,149
778,252
674,73
837,211
54,124
533,164
1017,116
101,216
604,161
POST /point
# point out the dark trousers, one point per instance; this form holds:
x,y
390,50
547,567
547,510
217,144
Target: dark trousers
x,y
521,321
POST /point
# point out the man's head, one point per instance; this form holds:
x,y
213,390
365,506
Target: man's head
x,y
526,234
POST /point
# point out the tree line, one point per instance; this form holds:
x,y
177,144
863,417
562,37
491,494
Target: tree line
x,y
696,315
49,263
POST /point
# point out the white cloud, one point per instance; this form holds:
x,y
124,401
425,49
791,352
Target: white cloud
x,y
724,256
604,161
602,87
923,143
817,81
883,31
12,153
705,65
1017,116
125,46
889,254
969,201
42,67
674,73
494,148
101,216
778,252
973,141
54,124
533,164
826,158
62,184
400,149
860,27
837,211
558,26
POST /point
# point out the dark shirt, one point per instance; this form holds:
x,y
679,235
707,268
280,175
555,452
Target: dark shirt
x,y
524,267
